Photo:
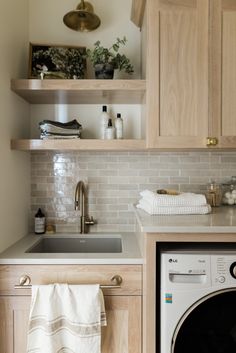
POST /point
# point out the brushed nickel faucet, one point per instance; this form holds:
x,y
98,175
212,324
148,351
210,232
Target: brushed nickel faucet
x,y
80,204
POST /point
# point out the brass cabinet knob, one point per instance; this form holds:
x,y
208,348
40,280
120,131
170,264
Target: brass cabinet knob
x,y
212,141
25,280
117,279
24,283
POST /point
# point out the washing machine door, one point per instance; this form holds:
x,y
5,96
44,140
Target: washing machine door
x,y
208,326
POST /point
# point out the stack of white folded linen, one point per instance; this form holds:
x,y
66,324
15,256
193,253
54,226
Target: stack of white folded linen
x,y
56,130
162,204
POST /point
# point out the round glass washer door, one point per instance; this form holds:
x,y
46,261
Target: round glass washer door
x,y
208,326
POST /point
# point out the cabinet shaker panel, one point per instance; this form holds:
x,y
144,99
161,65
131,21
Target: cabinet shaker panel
x,y
177,73
223,72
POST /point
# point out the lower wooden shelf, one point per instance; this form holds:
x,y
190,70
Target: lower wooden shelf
x,y
78,144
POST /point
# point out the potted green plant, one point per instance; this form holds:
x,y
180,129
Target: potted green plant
x,y
106,60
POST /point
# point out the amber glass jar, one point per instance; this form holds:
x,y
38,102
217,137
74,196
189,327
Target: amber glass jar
x,y
214,194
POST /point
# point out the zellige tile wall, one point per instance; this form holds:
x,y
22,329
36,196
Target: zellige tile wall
x,y
114,181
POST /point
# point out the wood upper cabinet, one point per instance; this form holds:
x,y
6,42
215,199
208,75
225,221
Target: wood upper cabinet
x,y
123,306
191,73
177,73
223,72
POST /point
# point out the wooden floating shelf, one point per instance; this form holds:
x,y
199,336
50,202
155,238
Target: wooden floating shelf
x,y
78,144
55,91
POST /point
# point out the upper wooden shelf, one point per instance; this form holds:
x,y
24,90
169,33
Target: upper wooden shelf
x,y
80,91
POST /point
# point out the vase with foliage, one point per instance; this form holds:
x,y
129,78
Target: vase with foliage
x,y
106,60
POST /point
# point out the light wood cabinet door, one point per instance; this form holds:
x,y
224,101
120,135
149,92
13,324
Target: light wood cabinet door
x,y
177,73
14,313
223,72
121,335
123,331
123,305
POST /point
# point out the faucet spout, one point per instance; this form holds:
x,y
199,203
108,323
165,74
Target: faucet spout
x,y
80,204
80,196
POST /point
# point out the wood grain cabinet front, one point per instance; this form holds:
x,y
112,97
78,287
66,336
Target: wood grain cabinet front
x,y
190,73
177,73
123,306
223,72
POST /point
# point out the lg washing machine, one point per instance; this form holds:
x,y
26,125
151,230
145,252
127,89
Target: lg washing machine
x,y
198,302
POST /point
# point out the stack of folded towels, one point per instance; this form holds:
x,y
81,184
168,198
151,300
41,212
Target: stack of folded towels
x,y
55,130
184,203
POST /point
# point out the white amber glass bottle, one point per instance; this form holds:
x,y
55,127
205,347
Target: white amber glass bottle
x,y
110,131
119,126
104,118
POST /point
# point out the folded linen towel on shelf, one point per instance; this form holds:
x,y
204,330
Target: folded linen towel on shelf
x,y
52,136
172,210
66,318
184,199
51,124
55,129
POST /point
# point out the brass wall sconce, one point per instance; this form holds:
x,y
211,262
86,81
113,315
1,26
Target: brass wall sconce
x,y
83,18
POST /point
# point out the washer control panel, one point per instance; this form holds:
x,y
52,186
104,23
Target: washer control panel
x,y
223,269
198,270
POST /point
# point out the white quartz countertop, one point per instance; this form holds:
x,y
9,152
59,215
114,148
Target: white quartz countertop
x,y
220,220
17,255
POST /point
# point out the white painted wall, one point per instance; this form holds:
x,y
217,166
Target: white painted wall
x,y
88,116
46,26
14,122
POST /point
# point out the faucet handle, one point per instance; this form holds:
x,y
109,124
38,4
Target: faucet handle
x,y
90,221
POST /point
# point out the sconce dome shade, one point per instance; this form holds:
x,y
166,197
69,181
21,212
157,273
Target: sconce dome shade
x,y
83,18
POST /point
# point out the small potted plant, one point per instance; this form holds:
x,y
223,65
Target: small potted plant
x,y
106,60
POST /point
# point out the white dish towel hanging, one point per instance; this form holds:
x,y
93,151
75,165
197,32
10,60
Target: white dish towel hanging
x,y
66,319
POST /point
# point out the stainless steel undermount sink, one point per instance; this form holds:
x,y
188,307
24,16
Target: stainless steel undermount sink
x,y
86,244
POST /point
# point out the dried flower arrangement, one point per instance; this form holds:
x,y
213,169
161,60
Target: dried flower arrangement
x,y
52,61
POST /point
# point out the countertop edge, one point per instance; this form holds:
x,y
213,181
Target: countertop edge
x,y
221,220
210,230
20,261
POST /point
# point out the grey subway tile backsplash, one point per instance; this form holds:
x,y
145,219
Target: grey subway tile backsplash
x,y
114,181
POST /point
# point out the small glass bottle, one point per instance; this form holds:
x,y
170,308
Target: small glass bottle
x,y
119,126
110,131
39,222
104,118
214,194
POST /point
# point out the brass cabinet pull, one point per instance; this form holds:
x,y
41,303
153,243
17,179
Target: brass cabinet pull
x,y
212,141
25,281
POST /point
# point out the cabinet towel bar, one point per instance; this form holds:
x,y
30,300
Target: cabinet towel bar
x,y
25,281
